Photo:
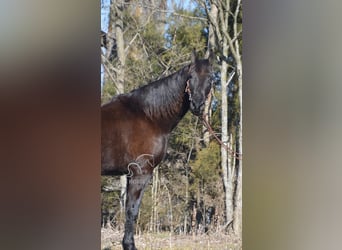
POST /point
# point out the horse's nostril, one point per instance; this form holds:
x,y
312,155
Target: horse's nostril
x,y
199,106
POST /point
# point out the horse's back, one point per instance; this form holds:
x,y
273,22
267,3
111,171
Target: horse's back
x,y
126,134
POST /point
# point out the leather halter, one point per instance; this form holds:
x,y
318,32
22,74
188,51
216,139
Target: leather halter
x,y
188,90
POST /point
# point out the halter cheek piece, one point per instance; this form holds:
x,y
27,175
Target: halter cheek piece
x,y
188,90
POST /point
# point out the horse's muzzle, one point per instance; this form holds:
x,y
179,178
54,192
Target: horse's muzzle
x,y
197,109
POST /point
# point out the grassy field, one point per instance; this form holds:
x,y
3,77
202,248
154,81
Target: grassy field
x,y
111,240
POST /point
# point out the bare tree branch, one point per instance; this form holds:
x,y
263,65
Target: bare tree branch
x,y
109,72
157,9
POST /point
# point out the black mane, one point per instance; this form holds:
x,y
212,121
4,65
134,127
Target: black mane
x,y
162,98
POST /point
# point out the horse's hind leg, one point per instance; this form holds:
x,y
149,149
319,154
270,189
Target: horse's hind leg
x,y
135,189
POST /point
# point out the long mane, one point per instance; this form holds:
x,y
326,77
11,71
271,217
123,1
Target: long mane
x,y
161,99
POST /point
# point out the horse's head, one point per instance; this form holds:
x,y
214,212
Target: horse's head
x,y
199,83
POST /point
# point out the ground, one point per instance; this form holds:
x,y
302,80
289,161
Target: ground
x,y
111,240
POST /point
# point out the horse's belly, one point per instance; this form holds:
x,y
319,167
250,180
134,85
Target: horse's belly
x,y
128,149
126,139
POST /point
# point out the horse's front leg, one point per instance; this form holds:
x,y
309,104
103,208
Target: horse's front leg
x,y
135,189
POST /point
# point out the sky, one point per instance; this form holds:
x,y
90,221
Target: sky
x,y
104,14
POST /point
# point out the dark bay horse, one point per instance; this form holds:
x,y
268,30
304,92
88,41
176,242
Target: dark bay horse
x,y
136,126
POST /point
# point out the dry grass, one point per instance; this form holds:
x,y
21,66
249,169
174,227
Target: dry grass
x,y
111,240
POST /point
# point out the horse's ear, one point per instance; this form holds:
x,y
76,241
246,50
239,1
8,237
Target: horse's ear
x,y
193,57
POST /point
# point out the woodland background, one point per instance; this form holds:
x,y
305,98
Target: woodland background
x,y
197,189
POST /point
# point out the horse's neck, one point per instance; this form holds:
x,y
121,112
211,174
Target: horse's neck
x,y
168,123
165,102
180,106
172,123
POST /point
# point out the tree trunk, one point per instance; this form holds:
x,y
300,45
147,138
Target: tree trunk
x,y
211,46
154,227
237,226
187,187
207,113
109,44
123,184
120,43
152,207
186,197
155,203
115,29
225,160
170,214
218,18
193,220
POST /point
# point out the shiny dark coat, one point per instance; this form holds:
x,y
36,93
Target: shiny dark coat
x,y
136,126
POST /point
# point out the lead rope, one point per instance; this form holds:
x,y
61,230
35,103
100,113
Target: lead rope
x,y
235,154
